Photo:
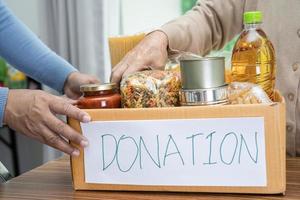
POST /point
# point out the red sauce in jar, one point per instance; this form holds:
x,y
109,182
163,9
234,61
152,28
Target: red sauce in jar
x,y
97,96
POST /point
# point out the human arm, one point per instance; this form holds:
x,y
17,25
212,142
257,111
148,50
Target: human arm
x,y
209,25
21,48
32,113
3,100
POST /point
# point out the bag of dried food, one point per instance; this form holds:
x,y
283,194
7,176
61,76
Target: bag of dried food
x,y
247,93
152,88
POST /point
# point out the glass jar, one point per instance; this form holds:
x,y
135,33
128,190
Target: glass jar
x,y
97,96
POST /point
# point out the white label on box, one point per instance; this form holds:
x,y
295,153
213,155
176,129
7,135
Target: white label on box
x,y
183,152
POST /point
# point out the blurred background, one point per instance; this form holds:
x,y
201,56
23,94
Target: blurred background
x,y
78,31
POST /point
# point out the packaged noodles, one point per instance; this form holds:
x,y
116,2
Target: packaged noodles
x,y
119,46
153,88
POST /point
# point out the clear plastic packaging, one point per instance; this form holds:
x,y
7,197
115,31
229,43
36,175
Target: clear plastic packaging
x,y
247,93
153,88
173,63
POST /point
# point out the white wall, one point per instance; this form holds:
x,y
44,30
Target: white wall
x,y
27,11
144,15
137,15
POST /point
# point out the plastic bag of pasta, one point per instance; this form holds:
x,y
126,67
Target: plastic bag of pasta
x,y
153,88
247,93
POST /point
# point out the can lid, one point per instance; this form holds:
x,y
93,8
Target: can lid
x,y
194,58
97,87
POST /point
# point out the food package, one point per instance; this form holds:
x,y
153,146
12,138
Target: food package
x,y
173,63
247,93
152,88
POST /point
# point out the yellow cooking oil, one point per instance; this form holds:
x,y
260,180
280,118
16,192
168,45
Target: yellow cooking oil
x,y
253,56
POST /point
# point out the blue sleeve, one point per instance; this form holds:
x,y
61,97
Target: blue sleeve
x,y
3,99
22,49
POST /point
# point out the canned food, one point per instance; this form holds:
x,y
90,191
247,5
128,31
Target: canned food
x,y
200,97
200,73
203,81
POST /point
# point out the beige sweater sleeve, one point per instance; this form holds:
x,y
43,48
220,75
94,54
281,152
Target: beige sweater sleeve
x,y
209,25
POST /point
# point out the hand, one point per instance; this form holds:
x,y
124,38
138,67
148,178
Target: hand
x,y
74,81
151,52
32,112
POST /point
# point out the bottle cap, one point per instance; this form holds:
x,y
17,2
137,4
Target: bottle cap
x,y
253,17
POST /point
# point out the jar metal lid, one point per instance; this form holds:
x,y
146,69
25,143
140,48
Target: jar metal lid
x,y
97,87
210,96
200,73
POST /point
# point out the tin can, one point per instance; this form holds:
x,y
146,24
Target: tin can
x,y
201,73
203,81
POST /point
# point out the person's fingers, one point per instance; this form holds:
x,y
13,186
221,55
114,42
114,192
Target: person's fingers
x,y
67,99
84,79
150,52
118,71
134,68
75,80
52,139
94,79
61,106
61,128
132,62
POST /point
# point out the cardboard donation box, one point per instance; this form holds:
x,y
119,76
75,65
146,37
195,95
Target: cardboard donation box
x,y
226,149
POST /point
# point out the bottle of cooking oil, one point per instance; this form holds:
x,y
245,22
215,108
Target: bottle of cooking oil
x,y
253,56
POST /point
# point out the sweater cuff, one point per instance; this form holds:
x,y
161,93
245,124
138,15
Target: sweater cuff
x,y
61,79
3,100
172,34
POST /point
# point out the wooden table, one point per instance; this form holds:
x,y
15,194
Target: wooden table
x,y
53,181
